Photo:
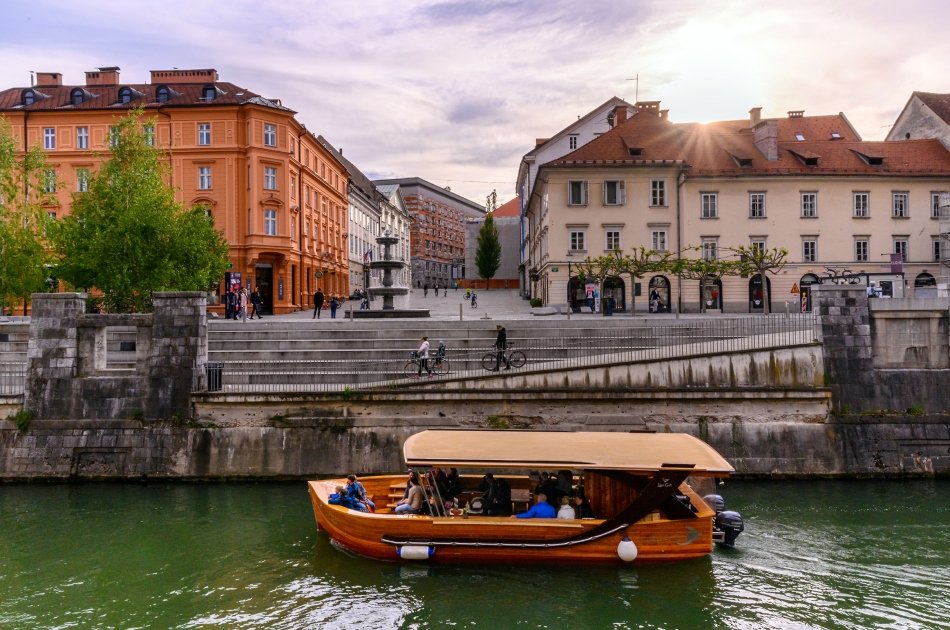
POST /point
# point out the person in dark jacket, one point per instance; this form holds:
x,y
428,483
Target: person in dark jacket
x,y
255,304
501,344
317,303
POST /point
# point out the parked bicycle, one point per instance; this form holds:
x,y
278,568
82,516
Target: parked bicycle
x,y
515,358
438,362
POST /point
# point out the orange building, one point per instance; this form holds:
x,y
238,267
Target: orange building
x,y
277,194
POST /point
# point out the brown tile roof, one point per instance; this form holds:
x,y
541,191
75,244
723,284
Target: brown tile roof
x,y
939,103
509,209
728,148
97,97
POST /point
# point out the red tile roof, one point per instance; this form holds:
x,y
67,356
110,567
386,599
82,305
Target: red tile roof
x,y
728,148
509,209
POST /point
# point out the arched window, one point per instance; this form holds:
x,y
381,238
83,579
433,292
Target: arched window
x,y
125,95
162,94
29,97
924,280
76,97
208,93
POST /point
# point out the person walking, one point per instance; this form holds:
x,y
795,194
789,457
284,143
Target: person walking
x,y
244,305
229,304
256,304
425,290
423,355
317,303
334,304
501,344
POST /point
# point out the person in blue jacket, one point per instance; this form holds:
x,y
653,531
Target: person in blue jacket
x,y
342,497
541,509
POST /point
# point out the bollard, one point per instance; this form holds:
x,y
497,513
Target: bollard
x,y
351,313
460,311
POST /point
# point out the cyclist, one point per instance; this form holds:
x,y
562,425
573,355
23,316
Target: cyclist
x,y
474,300
501,344
423,354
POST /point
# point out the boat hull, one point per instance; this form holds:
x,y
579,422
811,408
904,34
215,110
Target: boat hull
x,y
487,539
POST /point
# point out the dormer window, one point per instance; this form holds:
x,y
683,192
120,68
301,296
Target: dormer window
x,y
635,151
870,160
125,95
835,135
162,94
807,158
76,97
799,136
29,97
208,93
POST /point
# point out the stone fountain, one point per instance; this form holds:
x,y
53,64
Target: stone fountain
x,y
387,291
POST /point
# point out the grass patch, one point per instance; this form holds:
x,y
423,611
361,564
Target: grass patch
x,y
22,420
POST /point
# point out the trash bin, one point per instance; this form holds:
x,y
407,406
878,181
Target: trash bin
x,y
215,371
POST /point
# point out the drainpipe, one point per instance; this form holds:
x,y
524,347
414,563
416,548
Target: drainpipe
x,y
300,223
680,180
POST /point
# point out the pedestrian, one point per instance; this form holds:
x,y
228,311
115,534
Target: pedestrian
x,y
334,304
244,305
654,300
317,303
423,355
436,289
229,304
256,304
456,286
501,344
425,290
474,300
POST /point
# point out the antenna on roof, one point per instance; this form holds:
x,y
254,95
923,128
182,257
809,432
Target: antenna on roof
x,y
637,92
31,78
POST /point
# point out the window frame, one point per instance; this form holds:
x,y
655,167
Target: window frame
x,y
659,240
757,212
901,245
900,204
613,234
859,245
82,179
270,221
810,243
658,193
572,142
937,250
577,240
204,134
204,178
82,138
270,178
620,192
49,181
49,138
710,249
582,190
270,133
858,212
808,201
709,205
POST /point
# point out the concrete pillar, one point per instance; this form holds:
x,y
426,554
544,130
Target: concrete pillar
x,y
178,353
52,353
846,334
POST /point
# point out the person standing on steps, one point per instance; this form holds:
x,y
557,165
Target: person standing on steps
x,y
317,303
334,304
501,344
423,355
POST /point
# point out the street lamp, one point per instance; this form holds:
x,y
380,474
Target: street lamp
x,y
570,298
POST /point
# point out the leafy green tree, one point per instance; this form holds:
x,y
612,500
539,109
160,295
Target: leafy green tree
x,y
759,261
128,237
641,262
704,270
488,250
23,221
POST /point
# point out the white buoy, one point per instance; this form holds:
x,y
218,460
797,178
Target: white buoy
x,y
627,549
415,552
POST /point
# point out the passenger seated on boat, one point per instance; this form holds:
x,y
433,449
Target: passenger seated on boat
x,y
454,483
582,507
548,487
355,489
566,511
541,509
413,503
412,475
565,482
498,498
343,498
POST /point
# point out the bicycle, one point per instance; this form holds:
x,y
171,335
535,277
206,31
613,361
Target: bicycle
x,y
438,363
514,358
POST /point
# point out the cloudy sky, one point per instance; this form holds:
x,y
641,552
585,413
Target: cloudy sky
x,y
456,91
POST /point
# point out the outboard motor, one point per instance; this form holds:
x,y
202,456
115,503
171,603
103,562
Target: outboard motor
x,y
730,524
716,502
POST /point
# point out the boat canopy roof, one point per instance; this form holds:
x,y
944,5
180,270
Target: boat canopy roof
x,y
578,450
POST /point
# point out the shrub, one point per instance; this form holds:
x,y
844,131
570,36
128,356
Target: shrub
x,y
22,420
536,302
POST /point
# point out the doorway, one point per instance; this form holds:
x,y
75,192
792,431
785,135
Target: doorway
x,y
264,283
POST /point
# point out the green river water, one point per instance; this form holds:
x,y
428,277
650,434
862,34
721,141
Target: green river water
x,y
815,554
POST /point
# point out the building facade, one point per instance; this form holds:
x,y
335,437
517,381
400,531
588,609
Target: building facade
x,y
843,208
278,196
438,230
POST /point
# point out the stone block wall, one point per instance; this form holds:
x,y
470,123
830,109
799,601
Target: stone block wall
x,y
846,336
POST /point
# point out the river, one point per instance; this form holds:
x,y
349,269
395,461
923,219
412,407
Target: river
x,y
815,554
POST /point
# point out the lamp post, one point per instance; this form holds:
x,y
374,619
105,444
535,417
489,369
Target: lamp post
x,y
570,298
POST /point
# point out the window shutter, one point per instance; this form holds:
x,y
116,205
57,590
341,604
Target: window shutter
x,y
621,193
584,196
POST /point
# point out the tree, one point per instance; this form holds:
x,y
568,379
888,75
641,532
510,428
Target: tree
x,y
128,237
704,269
642,261
759,261
600,268
488,250
23,221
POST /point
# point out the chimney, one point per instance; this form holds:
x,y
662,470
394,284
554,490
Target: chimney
x,y
648,106
539,141
173,77
796,113
755,116
620,114
49,79
103,76
664,114
765,137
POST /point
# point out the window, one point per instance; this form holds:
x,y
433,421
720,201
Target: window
x,y
270,135
113,136
710,249
809,250
658,240
49,181
148,131
76,97
204,178
935,205
900,247
757,244
204,133
658,192
900,207
612,240
82,137
293,187
809,205
29,97
577,241
862,204
162,94
614,194
82,180
270,222
208,93
49,138
757,205
939,249
125,95
270,178
572,141
577,193
709,205
861,250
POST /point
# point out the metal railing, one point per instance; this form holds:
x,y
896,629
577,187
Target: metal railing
x,y
591,347
12,378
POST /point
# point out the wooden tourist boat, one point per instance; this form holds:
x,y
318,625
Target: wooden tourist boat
x,y
640,485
